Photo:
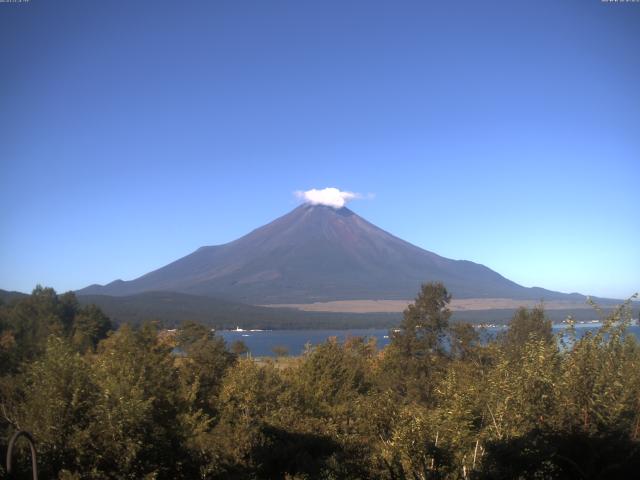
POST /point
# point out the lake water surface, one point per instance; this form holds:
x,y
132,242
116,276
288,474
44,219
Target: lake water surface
x,y
261,343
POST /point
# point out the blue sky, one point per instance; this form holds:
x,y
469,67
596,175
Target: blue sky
x,y
503,132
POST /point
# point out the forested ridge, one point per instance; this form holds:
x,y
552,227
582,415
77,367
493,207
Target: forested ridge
x,y
138,402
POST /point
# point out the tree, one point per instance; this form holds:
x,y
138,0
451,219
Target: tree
x,y
464,340
58,397
417,348
32,319
248,396
136,432
425,322
90,325
239,348
205,362
527,325
598,392
330,379
25,325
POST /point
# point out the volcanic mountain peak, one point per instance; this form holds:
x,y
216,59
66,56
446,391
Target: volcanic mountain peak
x,y
319,253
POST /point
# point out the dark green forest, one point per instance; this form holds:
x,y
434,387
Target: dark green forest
x,y
138,402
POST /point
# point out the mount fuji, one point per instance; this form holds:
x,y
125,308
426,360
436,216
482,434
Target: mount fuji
x,y
318,253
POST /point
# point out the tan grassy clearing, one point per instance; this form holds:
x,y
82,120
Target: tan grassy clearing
x,y
394,306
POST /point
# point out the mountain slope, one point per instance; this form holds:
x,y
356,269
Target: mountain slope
x,y
318,253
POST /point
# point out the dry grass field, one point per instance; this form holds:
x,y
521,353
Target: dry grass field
x,y
394,306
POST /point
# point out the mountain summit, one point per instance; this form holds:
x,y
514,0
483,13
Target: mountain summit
x,y
320,253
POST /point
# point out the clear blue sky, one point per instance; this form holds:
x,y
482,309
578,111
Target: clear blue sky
x,y
503,132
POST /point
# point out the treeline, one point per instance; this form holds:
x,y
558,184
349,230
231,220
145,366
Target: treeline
x,y
436,403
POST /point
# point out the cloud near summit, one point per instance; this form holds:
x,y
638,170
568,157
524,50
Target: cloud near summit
x,y
331,197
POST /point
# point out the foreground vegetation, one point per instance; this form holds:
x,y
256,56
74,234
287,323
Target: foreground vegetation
x,y
435,403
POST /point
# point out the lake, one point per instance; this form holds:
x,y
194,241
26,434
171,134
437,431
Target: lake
x,y
261,343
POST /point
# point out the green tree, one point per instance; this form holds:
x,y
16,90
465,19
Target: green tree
x,y
416,353
527,325
90,325
205,362
464,340
597,391
32,319
239,348
56,407
249,397
25,325
135,432
331,378
425,323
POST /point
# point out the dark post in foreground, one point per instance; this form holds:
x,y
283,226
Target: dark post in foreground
x,y
34,461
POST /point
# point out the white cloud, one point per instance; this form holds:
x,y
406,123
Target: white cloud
x,y
331,197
